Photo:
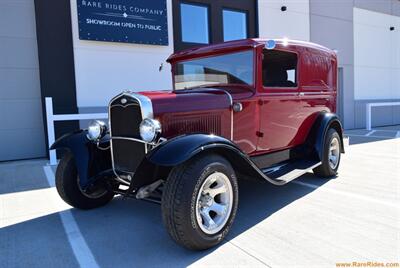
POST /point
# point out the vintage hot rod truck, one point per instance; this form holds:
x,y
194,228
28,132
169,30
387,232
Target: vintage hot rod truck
x,y
246,109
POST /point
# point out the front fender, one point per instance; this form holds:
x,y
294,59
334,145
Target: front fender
x,y
159,162
89,160
182,148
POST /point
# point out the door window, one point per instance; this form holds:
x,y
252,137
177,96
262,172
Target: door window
x,y
235,25
279,69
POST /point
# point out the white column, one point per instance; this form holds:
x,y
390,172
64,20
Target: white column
x,y
50,130
368,116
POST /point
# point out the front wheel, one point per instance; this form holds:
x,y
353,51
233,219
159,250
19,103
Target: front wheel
x,y
331,155
199,201
67,184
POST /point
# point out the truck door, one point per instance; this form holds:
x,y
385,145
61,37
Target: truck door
x,y
279,100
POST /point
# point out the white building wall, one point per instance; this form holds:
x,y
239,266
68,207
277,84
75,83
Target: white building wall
x,y
104,69
376,55
294,23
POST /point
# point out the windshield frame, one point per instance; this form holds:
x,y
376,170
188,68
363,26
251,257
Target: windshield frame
x,y
251,86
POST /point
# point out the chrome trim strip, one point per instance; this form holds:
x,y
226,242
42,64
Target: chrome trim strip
x,y
146,108
231,100
133,139
313,93
124,106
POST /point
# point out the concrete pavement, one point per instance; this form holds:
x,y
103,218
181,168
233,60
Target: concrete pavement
x,y
310,222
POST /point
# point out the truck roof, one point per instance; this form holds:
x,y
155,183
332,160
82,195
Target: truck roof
x,y
232,46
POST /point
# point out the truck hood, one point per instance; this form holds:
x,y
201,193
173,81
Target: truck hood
x,y
168,101
192,111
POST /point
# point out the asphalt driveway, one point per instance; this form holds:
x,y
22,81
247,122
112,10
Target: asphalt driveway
x,y
310,222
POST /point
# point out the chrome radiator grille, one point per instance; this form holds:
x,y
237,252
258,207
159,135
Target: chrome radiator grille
x,y
125,118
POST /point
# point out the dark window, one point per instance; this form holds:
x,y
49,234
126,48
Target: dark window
x,y
235,25
202,22
279,69
194,24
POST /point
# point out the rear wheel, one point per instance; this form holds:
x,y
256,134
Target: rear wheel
x,y
199,202
331,155
67,184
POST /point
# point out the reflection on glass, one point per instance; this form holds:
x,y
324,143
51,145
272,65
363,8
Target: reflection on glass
x,y
235,25
234,68
194,23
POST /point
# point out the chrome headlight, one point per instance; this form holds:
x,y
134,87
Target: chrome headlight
x,y
149,129
96,130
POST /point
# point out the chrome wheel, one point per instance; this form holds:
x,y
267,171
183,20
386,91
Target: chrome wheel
x,y
214,203
334,153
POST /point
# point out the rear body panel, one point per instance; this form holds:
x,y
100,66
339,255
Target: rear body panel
x,y
287,114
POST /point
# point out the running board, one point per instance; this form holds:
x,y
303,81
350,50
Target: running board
x,y
282,174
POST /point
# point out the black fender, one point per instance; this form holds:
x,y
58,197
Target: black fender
x,y
322,124
178,150
89,159
182,148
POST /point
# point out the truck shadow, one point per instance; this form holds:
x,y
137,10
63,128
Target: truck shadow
x,y
130,232
259,200
135,230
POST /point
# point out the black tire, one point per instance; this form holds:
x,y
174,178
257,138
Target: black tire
x,y
180,197
325,170
69,190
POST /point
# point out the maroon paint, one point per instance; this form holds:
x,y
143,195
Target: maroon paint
x,y
272,118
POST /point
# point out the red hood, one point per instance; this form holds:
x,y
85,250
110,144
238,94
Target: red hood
x,y
187,101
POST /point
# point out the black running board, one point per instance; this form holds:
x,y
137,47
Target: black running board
x,y
282,174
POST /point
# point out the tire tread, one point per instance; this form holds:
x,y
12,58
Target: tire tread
x,y
324,170
178,190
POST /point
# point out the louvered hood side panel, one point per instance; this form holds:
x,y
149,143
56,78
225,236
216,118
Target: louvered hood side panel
x,y
179,124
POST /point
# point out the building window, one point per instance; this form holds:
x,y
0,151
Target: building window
x,y
235,25
194,24
279,69
202,22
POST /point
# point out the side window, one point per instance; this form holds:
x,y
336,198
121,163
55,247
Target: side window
x,y
279,69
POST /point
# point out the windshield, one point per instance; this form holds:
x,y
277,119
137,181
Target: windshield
x,y
234,68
